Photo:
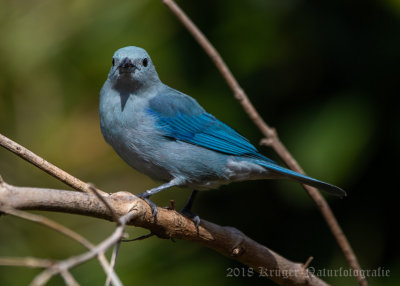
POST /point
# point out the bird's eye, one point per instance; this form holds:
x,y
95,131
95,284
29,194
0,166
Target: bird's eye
x,y
113,61
145,62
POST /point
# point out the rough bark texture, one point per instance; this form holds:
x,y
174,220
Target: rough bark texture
x,y
169,224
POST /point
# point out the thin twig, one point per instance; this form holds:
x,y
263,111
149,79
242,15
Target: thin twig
x,y
31,262
308,262
142,237
48,223
116,219
271,136
71,262
45,165
104,201
113,260
172,205
68,278
63,230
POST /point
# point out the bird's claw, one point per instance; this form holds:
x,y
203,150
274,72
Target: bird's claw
x,y
192,216
145,196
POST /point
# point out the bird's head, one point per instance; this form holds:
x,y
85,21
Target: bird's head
x,y
133,69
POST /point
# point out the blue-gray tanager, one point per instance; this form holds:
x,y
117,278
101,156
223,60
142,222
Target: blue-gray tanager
x,y
168,136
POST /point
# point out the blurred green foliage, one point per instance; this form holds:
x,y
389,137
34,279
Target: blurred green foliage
x,y
322,73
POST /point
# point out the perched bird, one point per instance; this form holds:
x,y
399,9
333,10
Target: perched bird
x,y
168,136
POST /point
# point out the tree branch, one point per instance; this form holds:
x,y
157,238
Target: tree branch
x,y
169,224
271,137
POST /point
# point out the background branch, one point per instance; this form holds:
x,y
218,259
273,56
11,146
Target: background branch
x,y
271,137
44,165
63,266
31,262
35,262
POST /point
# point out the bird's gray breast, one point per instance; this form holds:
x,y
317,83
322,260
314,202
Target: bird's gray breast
x,y
128,128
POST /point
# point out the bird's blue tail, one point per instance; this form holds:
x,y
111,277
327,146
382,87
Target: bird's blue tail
x,y
302,178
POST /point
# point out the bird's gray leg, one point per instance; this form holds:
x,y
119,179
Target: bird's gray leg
x,y
189,203
146,195
187,209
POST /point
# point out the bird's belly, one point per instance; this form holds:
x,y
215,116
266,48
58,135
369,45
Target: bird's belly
x,y
234,170
137,148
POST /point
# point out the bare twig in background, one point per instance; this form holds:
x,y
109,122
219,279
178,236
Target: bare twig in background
x,y
46,222
30,262
142,237
169,224
271,137
64,265
113,261
45,165
68,278
63,230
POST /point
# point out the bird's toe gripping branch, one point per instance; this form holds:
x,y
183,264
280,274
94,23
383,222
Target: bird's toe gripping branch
x,y
146,197
192,216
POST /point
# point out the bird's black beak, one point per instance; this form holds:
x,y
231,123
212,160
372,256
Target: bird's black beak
x,y
126,66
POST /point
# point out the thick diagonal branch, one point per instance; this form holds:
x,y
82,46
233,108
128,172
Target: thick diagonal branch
x,y
169,224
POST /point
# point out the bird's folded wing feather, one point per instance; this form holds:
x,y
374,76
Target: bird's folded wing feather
x,y
180,117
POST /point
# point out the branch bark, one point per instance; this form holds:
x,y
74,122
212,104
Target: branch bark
x,y
169,224
271,137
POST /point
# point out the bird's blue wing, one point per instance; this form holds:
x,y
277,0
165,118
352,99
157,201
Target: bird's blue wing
x,y
180,117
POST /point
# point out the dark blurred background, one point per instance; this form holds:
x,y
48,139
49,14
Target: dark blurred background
x,y
324,73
